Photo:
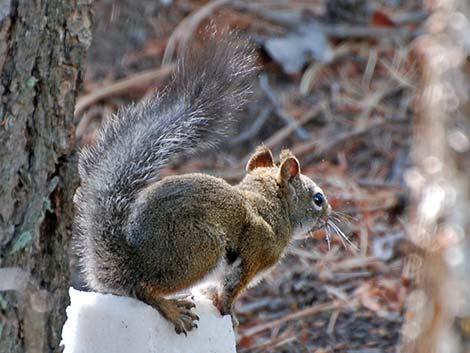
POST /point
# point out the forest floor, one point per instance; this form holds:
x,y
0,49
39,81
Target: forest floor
x,y
336,86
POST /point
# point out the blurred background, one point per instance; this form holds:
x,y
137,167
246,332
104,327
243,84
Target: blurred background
x,y
338,85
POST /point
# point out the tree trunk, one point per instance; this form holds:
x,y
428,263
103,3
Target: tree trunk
x,y
439,309
42,50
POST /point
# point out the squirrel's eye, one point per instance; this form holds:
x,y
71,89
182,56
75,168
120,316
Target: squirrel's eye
x,y
318,199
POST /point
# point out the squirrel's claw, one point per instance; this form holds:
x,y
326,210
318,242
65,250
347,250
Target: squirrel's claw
x,y
179,313
176,311
187,320
187,304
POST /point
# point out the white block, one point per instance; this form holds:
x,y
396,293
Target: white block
x,y
101,323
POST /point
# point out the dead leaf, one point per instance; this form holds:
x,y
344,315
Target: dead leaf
x,y
294,51
381,19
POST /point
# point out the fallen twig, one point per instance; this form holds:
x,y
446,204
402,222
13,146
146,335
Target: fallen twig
x,y
280,112
271,343
121,86
293,316
183,32
86,119
369,183
282,134
326,145
254,128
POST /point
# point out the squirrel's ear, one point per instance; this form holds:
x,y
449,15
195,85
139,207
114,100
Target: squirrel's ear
x,y
262,158
288,170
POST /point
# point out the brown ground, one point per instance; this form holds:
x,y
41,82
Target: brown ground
x,y
352,96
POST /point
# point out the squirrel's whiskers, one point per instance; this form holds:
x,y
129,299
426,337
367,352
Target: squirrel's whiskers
x,y
333,227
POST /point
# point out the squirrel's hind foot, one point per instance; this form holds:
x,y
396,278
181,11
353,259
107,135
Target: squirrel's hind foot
x,y
176,311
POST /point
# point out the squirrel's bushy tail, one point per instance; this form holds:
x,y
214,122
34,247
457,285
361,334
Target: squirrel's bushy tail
x,y
208,87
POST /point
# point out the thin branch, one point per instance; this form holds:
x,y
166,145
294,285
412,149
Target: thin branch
x,y
332,305
121,86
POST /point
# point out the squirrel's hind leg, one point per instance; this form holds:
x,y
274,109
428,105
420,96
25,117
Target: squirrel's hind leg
x,y
176,311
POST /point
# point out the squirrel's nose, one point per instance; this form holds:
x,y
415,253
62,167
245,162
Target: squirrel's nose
x,y
328,211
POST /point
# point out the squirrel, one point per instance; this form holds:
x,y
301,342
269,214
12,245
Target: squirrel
x,y
147,237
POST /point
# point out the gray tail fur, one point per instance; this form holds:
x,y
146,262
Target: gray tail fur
x,y
208,87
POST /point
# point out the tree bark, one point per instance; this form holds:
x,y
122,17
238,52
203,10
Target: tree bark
x,y
42,51
439,308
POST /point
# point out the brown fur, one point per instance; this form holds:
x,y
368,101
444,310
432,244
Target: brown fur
x,y
182,226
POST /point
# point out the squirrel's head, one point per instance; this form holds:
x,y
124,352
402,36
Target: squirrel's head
x,y
308,206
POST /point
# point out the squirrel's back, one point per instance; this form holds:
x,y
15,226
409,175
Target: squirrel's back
x,y
208,87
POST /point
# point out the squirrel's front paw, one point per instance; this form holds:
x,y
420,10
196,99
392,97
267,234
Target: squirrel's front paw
x,y
218,300
178,312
